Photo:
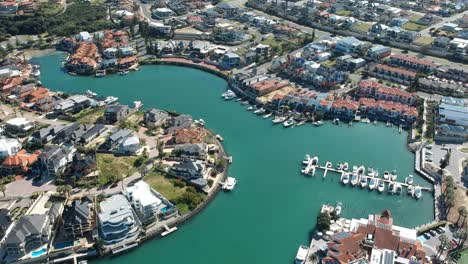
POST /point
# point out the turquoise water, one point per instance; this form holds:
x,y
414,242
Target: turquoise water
x,y
38,253
273,208
63,245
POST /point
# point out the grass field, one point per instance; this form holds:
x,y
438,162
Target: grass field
x,y
164,185
90,115
411,26
114,168
364,27
344,13
424,40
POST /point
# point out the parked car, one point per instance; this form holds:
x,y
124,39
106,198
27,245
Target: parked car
x,y
427,236
433,233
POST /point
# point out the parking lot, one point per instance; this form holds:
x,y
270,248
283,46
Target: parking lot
x,y
431,239
436,152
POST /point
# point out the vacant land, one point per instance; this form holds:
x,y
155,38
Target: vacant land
x,y
112,168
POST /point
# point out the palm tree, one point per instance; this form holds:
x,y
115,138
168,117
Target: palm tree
x,y
2,189
314,258
462,212
443,239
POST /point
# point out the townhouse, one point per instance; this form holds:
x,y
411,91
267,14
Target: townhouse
x,y
370,88
344,109
412,63
392,74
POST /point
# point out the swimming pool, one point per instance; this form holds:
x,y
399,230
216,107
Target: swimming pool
x,y
38,253
63,245
163,210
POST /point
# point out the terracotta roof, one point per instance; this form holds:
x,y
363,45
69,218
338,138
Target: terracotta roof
x,y
185,135
348,104
411,59
396,70
268,85
131,59
22,158
382,89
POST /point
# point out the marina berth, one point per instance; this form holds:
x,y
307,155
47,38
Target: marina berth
x,y
398,188
391,187
373,183
417,192
301,255
410,190
386,175
381,185
354,179
289,123
363,182
409,179
345,178
279,119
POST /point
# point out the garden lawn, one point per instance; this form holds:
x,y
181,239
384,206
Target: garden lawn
x,y
112,168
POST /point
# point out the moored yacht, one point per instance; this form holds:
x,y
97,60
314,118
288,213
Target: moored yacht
x,y
267,115
336,121
219,137
393,176
315,161
301,255
289,123
409,179
250,108
363,181
338,208
410,190
301,123
278,119
361,170
373,183
306,159
417,192
318,123
391,187
259,111
345,178
354,179
398,188
229,184
137,104
90,93
381,185
100,73
386,175
345,166
228,95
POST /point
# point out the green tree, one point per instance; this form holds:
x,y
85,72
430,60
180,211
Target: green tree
x,y
323,221
462,212
64,190
2,189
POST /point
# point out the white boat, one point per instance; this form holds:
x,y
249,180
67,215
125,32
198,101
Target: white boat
x,y
229,184
328,164
417,192
381,185
386,175
137,104
306,159
228,95
260,111
391,187
219,137
123,72
361,170
363,182
409,180
373,183
393,176
315,161
355,168
375,122
90,93
338,208
289,123
354,179
301,123
301,255
345,166
345,178
250,108
279,119
410,190
201,122
267,115
388,124
336,121
245,103
398,188
111,99
318,123
100,73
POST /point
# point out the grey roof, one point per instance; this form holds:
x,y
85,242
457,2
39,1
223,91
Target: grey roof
x,y
54,210
187,165
54,154
5,219
200,182
120,134
27,225
198,148
77,212
115,108
115,209
155,114
93,131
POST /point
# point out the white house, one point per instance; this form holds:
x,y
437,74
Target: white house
x,y
129,145
9,147
143,200
18,125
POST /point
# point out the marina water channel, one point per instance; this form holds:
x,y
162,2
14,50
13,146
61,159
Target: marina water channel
x,y
274,207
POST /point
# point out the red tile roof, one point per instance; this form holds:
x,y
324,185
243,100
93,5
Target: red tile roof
x,y
411,59
348,104
396,70
22,158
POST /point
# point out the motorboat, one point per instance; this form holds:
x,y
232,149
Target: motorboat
x,y
137,104
410,190
259,111
409,180
328,165
398,188
100,73
345,178
306,159
318,123
301,123
315,161
393,176
345,166
361,170
380,185
250,108
355,168
370,172
338,208
339,166
388,124
219,137
386,175
279,119
354,179
229,184
363,182
373,183
301,255
391,187
289,123
417,192
123,72
90,93
111,99
267,115
336,121
228,95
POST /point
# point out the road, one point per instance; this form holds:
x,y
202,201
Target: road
x,y
425,32
7,112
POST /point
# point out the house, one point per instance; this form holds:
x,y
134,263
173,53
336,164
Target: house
x,y
54,159
230,60
345,109
116,113
31,232
128,146
5,221
393,74
378,52
157,28
92,133
145,203
188,169
155,117
9,147
175,123
441,42
19,162
78,218
348,45
162,13
375,238
185,135
412,63
113,52
197,150
116,137
83,164
265,86
18,125
453,114
46,135
369,88
456,74
117,221
84,36
8,8
459,46
84,60
72,104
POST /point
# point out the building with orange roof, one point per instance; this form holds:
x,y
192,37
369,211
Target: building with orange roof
x,y
84,60
19,163
393,74
186,135
127,62
10,83
388,111
266,86
370,88
375,239
344,109
411,62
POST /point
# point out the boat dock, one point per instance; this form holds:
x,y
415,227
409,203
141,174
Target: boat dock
x,y
312,165
168,230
